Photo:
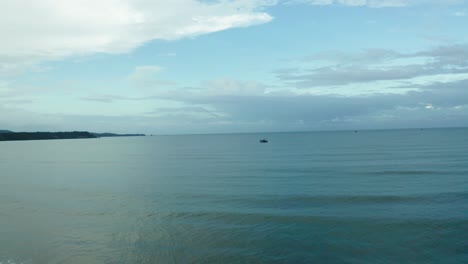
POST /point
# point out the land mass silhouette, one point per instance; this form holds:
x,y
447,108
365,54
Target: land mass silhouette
x,y
7,135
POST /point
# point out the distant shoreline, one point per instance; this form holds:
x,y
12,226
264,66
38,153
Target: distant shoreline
x,y
7,135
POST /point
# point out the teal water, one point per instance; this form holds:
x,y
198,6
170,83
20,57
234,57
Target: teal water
x,y
395,196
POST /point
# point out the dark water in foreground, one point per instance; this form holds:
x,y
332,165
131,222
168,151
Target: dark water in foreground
x,y
325,197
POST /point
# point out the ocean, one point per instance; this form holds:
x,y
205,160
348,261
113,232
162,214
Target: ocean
x,y
383,196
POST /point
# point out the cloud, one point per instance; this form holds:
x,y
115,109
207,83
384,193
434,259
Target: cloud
x,y
255,109
376,3
33,31
456,55
191,112
244,107
308,112
433,83
227,87
376,65
107,98
365,56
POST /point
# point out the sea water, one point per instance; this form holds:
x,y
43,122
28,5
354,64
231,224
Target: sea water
x,y
388,196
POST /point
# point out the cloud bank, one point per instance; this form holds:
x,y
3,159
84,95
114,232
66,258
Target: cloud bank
x,y
376,65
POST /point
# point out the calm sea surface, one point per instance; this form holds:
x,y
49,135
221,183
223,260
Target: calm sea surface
x,y
396,196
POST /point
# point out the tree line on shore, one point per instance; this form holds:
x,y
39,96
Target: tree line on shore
x,y
6,135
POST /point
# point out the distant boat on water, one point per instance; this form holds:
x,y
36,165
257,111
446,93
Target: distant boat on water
x,y
264,140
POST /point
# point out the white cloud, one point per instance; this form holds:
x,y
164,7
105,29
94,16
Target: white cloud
x,y
429,106
376,3
374,69
226,87
32,31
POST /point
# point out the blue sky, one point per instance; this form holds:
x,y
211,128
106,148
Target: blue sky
x,y
186,66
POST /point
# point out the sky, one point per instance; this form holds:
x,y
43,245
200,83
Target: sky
x,y
220,66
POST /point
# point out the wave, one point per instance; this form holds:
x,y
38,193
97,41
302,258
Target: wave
x,y
405,172
219,219
377,198
305,200
416,172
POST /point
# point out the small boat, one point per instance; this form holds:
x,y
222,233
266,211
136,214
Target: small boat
x,y
264,140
